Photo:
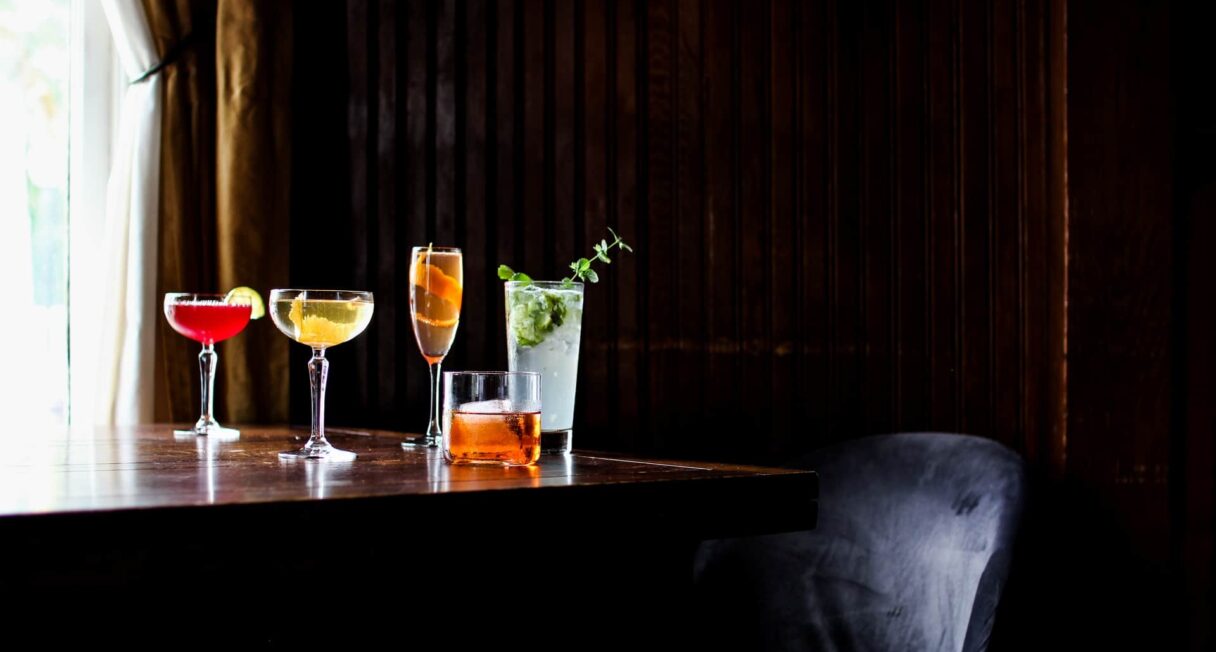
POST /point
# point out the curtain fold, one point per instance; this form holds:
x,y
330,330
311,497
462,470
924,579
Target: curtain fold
x,y
130,310
187,198
224,193
253,83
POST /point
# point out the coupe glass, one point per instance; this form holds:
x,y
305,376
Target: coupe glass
x,y
207,318
320,319
436,288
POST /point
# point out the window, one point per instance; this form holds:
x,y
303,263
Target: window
x,y
34,128
97,90
59,82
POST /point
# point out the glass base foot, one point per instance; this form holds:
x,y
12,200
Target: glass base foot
x,y
211,430
415,442
487,462
556,442
318,453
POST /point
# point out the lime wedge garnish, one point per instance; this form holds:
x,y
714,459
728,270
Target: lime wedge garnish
x,y
243,294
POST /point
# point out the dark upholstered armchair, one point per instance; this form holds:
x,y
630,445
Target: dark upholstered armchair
x,y
911,552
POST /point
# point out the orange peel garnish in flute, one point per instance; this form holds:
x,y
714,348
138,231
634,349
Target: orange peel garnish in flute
x,y
438,284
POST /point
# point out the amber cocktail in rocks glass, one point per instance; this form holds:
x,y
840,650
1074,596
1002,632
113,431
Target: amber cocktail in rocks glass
x,y
491,417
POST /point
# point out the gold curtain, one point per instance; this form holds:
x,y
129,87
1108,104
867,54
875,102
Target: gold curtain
x,y
224,200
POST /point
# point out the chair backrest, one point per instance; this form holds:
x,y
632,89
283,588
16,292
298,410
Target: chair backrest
x,y
910,552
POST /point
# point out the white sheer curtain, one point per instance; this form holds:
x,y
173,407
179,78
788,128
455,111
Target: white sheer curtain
x,y
129,309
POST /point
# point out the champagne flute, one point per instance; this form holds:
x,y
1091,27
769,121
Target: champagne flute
x,y
436,289
320,319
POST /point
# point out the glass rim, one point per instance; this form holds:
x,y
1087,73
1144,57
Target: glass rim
x,y
444,250
492,373
561,285
363,294
204,296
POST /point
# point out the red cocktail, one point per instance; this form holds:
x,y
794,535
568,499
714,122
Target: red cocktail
x,y
208,318
207,321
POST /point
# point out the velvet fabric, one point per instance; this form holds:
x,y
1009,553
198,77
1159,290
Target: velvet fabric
x,y
910,552
224,192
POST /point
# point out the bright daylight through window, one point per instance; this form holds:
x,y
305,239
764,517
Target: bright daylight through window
x,y
60,85
34,85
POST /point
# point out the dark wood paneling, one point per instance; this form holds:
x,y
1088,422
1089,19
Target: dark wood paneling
x,y
722,342
1120,257
1193,451
784,328
691,285
840,210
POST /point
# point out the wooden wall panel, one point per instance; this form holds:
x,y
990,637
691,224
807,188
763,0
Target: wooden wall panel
x,y
1193,451
1120,258
839,210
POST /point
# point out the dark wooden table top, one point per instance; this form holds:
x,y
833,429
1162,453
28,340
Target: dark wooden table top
x,y
154,538
145,472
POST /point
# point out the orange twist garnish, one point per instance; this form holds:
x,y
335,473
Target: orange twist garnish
x,y
436,282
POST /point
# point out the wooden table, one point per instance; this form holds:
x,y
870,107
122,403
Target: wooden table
x,y
122,509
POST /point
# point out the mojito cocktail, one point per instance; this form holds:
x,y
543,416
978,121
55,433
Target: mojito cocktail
x,y
544,324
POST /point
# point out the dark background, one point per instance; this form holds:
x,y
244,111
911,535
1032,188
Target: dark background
x,y
849,218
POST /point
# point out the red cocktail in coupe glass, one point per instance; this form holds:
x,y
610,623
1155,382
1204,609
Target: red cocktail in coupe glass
x,y
207,319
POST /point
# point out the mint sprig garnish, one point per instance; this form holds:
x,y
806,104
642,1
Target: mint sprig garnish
x,y
582,266
534,312
507,274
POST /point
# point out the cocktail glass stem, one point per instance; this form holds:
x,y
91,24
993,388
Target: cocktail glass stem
x,y
433,433
318,372
208,361
318,448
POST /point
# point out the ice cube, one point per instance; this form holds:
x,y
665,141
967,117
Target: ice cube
x,y
497,406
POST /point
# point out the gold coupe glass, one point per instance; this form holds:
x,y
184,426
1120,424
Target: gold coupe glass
x,y
320,319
